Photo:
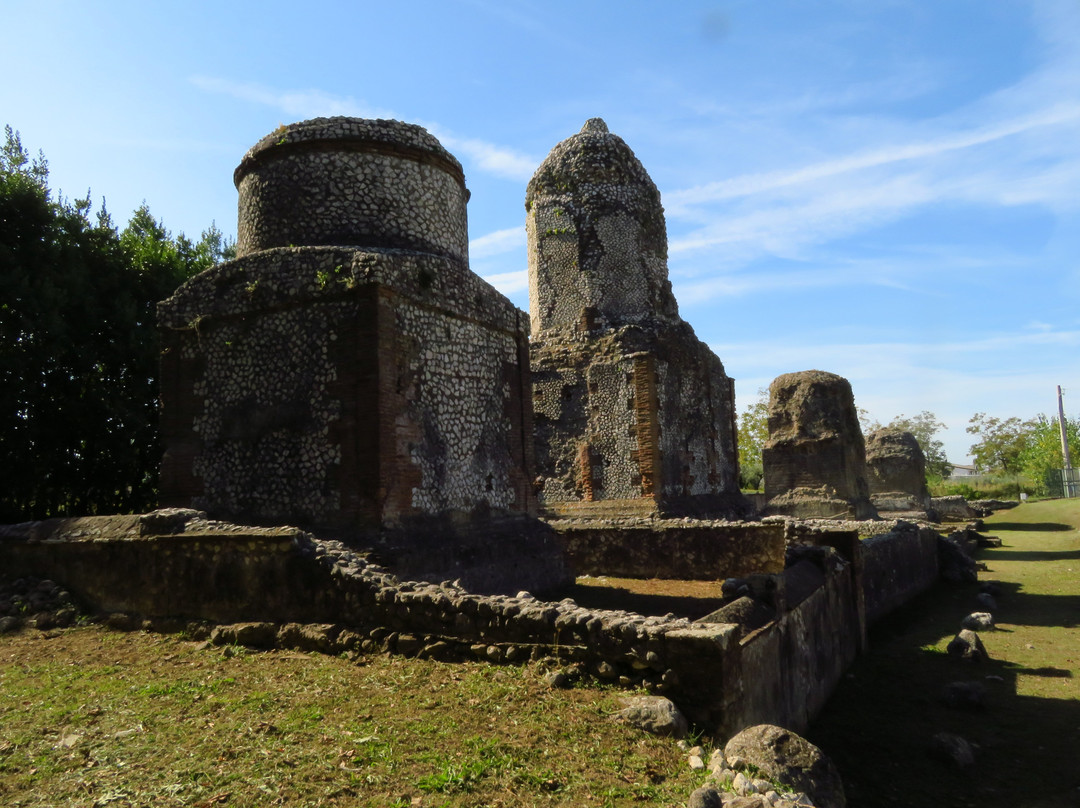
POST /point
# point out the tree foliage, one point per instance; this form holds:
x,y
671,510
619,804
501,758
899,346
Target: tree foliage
x,y
1001,442
78,347
924,427
1042,449
753,432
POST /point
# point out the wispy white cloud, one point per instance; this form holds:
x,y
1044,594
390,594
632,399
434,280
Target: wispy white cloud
x,y
486,157
677,201
497,243
509,283
490,158
301,104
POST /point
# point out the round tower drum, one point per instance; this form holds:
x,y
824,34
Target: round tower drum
x,y
352,182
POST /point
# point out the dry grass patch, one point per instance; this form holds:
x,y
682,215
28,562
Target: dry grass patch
x,y
92,717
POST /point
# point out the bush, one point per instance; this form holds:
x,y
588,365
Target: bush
x,y
986,486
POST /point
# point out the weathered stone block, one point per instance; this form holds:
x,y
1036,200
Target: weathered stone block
x,y
896,471
815,459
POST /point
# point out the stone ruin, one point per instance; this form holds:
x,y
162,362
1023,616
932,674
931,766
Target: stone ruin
x,y
814,458
633,414
349,376
348,372
896,472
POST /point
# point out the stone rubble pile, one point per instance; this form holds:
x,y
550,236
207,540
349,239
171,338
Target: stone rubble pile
x,y
30,602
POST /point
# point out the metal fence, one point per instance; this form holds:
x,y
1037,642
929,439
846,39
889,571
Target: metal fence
x,y
1064,482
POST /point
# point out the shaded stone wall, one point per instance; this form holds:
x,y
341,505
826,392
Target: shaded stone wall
x,y
897,566
629,404
676,548
815,458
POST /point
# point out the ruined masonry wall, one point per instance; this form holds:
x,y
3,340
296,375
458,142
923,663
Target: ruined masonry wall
x,y
459,364
633,415
629,404
299,382
679,549
597,241
178,564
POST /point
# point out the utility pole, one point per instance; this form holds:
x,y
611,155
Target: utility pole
x,y
1064,434
1068,481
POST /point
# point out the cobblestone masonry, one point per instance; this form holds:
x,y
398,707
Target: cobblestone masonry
x,y
360,379
352,181
632,410
176,565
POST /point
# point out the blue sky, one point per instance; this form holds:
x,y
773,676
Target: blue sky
x,y
884,189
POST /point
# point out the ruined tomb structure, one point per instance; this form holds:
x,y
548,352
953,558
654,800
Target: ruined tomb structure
x,y
815,458
347,371
634,414
896,471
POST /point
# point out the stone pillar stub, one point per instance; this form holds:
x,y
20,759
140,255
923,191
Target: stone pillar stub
x,y
815,458
896,470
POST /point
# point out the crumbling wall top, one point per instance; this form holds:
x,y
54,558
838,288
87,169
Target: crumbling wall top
x,y
394,137
593,158
811,404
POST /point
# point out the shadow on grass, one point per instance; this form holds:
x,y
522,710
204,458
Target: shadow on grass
x,y
1053,673
879,723
1038,527
1022,609
1035,555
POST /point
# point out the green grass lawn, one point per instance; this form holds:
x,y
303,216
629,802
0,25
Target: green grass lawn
x,y
93,717
881,718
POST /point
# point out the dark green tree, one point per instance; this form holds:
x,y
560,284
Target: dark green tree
x,y
753,432
1042,451
78,347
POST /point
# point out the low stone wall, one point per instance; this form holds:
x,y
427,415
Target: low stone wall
x,y
682,549
897,566
895,562
179,565
189,567
791,667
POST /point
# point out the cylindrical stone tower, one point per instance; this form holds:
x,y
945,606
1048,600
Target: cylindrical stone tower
x,y
597,241
352,182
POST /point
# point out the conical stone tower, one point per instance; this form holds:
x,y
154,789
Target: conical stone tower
x,y
633,414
